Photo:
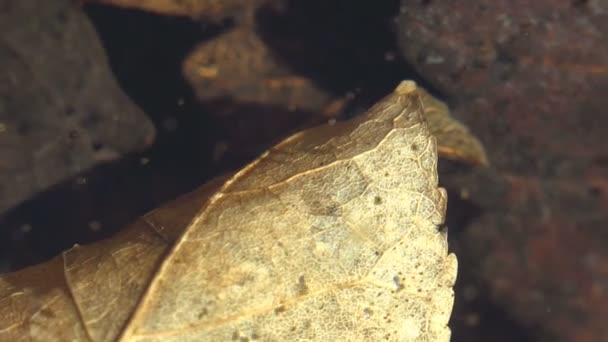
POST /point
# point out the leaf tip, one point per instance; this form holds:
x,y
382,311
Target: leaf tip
x,y
406,87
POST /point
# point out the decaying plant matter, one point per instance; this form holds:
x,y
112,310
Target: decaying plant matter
x,y
333,234
61,110
210,9
237,68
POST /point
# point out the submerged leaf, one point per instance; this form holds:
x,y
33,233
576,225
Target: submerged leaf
x,y
454,140
211,9
332,235
61,110
239,66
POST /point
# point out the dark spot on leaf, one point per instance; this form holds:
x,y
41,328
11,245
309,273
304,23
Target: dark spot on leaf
x,y
279,309
377,200
443,227
398,283
97,146
69,111
47,313
91,121
301,286
203,313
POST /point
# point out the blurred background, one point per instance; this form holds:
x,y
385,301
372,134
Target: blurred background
x,y
111,108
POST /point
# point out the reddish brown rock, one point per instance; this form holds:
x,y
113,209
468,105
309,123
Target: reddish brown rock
x,y
530,79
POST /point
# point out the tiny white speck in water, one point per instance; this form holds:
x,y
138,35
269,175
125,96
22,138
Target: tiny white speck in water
x,y
170,124
26,228
470,293
472,319
95,226
219,150
389,56
434,59
464,193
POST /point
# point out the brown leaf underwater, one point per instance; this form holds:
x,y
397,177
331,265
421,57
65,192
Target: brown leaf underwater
x,y
238,65
210,9
62,114
334,234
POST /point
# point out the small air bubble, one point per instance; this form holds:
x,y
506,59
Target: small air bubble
x,y
26,228
389,56
95,226
219,150
170,124
472,319
464,193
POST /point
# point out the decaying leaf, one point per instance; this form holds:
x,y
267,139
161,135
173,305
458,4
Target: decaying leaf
x,y
61,111
238,65
332,235
212,9
454,140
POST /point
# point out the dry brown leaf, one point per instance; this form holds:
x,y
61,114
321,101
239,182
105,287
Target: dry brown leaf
x,y
212,9
454,140
332,235
240,66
